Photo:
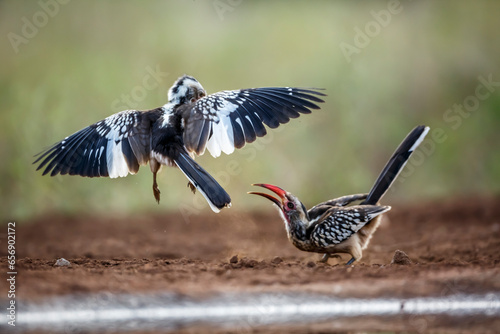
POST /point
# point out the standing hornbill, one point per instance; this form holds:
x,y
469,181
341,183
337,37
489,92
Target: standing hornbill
x,y
332,227
170,135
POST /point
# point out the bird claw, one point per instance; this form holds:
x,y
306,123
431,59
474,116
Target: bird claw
x,y
192,187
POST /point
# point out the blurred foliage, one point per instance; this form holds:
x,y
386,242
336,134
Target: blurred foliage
x,y
417,63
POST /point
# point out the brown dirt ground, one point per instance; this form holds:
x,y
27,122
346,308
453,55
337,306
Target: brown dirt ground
x,y
454,247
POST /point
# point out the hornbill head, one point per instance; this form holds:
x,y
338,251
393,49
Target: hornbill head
x,y
290,206
186,89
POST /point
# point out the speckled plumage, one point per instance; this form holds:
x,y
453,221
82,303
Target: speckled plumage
x,y
340,223
333,226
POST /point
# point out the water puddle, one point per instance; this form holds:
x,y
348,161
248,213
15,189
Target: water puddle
x,y
233,311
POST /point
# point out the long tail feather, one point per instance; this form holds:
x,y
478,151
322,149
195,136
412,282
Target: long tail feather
x,y
215,195
396,163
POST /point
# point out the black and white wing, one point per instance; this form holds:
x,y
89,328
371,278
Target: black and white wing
x,y
341,223
113,147
227,120
318,210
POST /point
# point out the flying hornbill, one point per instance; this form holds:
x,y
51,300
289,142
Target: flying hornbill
x,y
170,135
332,227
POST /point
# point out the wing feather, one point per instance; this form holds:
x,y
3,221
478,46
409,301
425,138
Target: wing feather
x,y
63,152
113,147
285,106
238,117
238,134
318,210
340,223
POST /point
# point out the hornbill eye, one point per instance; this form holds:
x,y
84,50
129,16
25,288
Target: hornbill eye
x,y
290,205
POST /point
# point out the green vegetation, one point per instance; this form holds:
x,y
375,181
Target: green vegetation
x,y
409,69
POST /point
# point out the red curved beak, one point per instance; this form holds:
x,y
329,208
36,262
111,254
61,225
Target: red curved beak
x,y
277,190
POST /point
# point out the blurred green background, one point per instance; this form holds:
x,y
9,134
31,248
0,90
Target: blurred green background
x,y
386,67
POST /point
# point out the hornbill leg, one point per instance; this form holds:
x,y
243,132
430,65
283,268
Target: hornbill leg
x,y
350,261
156,191
192,187
155,167
325,258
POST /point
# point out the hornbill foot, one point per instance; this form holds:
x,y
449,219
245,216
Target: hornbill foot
x,y
350,261
156,192
192,187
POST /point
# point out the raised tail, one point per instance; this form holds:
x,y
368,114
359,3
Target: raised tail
x,y
215,195
396,164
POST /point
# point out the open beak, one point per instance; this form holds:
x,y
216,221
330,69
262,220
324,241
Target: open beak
x,y
277,190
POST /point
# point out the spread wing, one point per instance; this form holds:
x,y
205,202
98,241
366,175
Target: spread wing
x,y
341,223
227,120
113,147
